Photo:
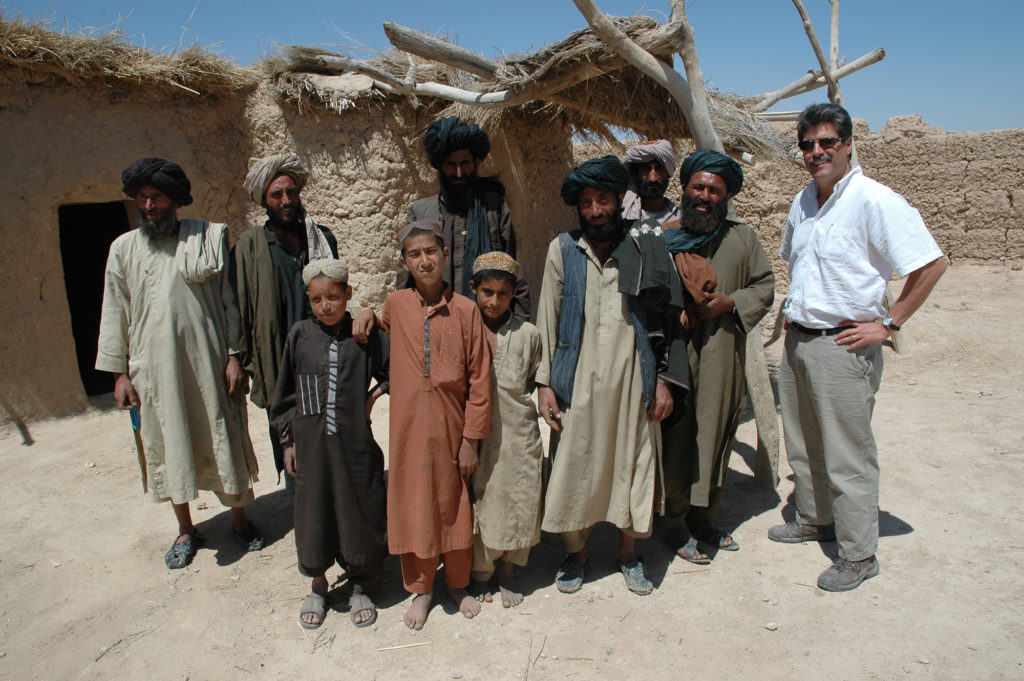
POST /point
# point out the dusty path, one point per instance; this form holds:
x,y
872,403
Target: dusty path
x,y
85,594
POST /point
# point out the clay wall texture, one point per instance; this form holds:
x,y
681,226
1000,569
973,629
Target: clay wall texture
x,y
69,145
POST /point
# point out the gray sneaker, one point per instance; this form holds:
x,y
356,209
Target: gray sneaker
x,y
569,578
797,533
845,575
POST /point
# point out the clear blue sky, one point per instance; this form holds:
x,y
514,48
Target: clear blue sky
x,y
959,64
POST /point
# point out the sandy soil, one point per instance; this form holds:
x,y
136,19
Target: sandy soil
x,y
85,594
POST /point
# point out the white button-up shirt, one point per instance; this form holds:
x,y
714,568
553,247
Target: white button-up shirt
x,y
842,255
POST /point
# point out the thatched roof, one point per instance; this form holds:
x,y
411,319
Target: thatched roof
x,y
579,79
40,55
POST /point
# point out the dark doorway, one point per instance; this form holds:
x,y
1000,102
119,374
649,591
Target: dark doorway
x,y
86,232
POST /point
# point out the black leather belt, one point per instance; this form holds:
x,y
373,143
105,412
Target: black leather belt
x,y
816,332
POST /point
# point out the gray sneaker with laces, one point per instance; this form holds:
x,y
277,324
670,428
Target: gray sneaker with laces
x,y
845,575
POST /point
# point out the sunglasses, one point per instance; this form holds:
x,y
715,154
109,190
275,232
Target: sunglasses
x,y
825,142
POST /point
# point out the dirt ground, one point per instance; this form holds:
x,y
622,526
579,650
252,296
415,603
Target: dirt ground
x,y
84,593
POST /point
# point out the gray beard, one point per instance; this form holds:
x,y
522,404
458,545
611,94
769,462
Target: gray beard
x,y
698,222
161,229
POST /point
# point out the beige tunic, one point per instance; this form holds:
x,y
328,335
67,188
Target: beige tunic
x,y
604,462
173,337
507,484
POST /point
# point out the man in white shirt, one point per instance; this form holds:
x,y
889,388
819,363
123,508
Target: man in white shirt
x,y
845,236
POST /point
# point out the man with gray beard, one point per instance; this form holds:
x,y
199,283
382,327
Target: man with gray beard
x,y
169,331
730,286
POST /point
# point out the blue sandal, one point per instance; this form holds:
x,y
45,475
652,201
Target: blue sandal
x,y
182,553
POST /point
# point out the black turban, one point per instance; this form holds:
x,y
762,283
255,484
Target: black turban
x,y
605,173
168,177
446,135
714,162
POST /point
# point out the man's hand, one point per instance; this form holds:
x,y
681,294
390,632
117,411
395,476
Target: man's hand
x,y
662,405
715,305
289,459
124,392
370,400
468,459
363,325
234,377
861,334
547,405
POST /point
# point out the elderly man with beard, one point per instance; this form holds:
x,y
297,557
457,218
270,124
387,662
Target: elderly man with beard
x,y
169,331
650,165
471,210
268,262
601,381
730,287
845,236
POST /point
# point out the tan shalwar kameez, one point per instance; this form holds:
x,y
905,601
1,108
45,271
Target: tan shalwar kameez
x,y
696,451
507,485
604,463
170,322
440,393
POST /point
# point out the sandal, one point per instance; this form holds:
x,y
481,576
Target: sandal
x,y
712,536
636,577
689,551
182,553
360,602
249,539
314,604
569,578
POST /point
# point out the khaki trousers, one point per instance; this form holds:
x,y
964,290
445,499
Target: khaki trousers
x,y
484,558
828,395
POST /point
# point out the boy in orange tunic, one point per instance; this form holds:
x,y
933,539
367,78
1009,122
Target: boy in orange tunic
x,y
440,409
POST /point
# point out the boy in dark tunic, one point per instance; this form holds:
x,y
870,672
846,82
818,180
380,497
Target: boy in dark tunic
x,y
321,407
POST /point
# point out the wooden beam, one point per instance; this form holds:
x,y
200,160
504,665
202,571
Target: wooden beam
x,y
436,49
834,92
814,80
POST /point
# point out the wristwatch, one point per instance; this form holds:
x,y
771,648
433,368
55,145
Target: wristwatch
x,y
888,323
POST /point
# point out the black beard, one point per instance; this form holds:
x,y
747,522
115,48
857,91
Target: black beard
x,y
294,225
699,222
651,190
162,228
610,231
457,194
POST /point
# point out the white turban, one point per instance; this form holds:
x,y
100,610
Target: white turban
x,y
263,172
660,151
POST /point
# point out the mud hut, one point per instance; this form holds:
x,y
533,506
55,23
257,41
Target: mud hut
x,y
76,110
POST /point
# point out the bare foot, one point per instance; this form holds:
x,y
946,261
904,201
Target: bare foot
x,y
480,590
509,586
416,616
468,606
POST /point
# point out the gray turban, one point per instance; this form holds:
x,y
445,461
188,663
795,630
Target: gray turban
x,y
266,169
660,151
160,173
449,134
335,270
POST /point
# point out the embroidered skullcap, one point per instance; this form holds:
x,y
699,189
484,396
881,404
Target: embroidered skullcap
x,y
335,270
605,173
714,162
160,173
660,151
449,134
417,225
263,172
496,260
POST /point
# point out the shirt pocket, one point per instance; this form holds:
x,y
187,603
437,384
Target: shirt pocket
x,y
308,399
447,359
834,243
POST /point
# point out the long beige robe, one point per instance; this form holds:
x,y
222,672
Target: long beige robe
x,y
604,463
173,337
696,451
507,484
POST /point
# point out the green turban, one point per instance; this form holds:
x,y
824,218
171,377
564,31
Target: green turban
x,y
713,162
605,173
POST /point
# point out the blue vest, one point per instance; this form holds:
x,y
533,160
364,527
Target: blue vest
x,y
570,325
